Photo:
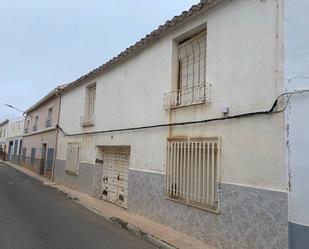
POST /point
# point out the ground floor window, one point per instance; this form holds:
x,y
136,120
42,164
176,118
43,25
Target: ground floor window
x,y
193,171
72,158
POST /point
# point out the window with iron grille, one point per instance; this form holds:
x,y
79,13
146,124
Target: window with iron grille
x,y
193,171
191,87
192,61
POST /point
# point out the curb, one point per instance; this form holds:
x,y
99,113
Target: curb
x,y
159,243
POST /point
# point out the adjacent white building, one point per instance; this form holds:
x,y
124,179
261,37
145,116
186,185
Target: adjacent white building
x,y
296,77
11,133
183,127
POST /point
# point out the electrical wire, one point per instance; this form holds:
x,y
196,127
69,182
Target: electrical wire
x,y
271,111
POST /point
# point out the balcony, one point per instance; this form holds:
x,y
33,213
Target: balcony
x,y
48,123
87,120
26,130
187,96
34,128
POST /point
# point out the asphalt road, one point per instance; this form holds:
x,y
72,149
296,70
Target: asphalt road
x,y
34,216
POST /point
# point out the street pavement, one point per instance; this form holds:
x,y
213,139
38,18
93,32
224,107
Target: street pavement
x,y
34,216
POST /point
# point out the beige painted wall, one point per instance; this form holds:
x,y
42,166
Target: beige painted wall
x,y
36,141
42,111
43,134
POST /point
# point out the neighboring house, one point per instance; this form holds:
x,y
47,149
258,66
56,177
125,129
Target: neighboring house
x,y
40,134
220,172
14,139
296,75
3,135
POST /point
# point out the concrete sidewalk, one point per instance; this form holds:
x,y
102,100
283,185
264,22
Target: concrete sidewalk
x,y
157,234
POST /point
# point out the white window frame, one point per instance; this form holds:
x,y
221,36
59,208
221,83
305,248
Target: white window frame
x,y
193,171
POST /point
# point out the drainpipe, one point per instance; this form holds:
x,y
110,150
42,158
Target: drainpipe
x,y
58,93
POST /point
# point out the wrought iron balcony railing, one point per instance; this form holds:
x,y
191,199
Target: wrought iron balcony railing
x,y
34,128
87,120
187,96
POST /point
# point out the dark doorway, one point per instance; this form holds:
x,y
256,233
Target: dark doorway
x,y
43,157
10,152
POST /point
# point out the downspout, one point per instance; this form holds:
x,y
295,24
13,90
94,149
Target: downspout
x,y
57,133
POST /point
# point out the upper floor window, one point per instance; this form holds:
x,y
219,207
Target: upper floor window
x,y
89,117
48,122
192,61
91,100
36,121
191,86
27,127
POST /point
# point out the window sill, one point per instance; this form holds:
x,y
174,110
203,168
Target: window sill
x,y
192,204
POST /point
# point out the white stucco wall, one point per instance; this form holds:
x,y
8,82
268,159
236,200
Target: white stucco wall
x,y
243,66
296,74
14,131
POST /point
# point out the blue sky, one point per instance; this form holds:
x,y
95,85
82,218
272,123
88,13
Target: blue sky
x,y
44,43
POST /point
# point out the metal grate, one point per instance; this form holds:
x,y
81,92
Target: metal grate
x,y
192,172
192,61
187,96
192,88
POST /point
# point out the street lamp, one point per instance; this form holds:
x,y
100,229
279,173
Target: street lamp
x,y
15,108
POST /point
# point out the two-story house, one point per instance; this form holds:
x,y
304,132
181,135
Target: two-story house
x,y
183,127
40,134
14,139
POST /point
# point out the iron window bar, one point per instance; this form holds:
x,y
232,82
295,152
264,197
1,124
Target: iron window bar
x,y
187,96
